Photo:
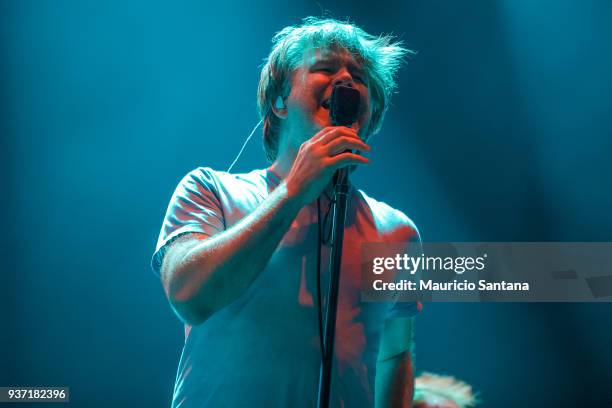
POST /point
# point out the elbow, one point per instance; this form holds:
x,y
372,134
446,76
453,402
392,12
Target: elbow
x,y
188,313
184,299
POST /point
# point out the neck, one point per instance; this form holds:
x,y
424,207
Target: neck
x,y
282,167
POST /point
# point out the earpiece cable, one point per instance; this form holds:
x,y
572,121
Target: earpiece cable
x,y
244,145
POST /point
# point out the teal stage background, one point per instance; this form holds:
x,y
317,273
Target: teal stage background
x,y
500,131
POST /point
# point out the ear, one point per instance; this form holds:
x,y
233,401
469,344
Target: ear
x,y
279,108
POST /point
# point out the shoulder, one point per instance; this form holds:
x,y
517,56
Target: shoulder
x,y
211,179
386,219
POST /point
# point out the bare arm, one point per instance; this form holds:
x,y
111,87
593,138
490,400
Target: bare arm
x,y
203,274
394,372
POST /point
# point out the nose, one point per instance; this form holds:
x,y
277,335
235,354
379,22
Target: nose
x,y
344,77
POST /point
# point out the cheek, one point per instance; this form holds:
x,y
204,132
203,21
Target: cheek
x,y
304,95
365,115
365,110
365,100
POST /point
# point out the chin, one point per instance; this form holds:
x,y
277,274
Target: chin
x,y
322,118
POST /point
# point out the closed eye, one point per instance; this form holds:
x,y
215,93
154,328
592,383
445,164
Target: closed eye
x,y
357,75
327,70
323,66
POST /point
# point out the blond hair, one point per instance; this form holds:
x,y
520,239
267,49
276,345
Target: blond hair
x,y
380,58
446,387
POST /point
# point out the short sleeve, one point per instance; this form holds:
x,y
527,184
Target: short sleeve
x,y
402,307
194,208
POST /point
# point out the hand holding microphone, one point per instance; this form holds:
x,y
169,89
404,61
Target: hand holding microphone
x,y
329,150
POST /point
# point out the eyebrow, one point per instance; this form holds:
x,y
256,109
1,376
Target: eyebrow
x,y
334,61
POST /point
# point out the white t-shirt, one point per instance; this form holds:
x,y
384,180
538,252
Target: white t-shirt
x,y
262,350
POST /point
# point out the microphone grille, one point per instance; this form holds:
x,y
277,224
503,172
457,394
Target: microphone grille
x,y
344,107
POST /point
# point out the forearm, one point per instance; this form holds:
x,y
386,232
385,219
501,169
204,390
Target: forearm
x,y
214,272
395,382
394,372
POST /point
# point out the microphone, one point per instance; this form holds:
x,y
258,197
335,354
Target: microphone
x,y
343,111
344,105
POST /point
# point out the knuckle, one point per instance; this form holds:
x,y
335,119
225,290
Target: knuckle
x,y
342,139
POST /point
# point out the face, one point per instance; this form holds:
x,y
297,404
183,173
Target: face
x,y
311,88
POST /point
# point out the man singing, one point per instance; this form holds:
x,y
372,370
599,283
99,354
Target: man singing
x,y
238,254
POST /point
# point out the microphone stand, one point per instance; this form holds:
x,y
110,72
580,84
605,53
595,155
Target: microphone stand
x,y
344,110
341,188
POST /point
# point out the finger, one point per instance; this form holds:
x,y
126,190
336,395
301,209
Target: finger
x,y
322,134
345,143
336,132
346,159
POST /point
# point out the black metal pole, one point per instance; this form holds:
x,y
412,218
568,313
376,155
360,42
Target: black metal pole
x,y
339,217
344,111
